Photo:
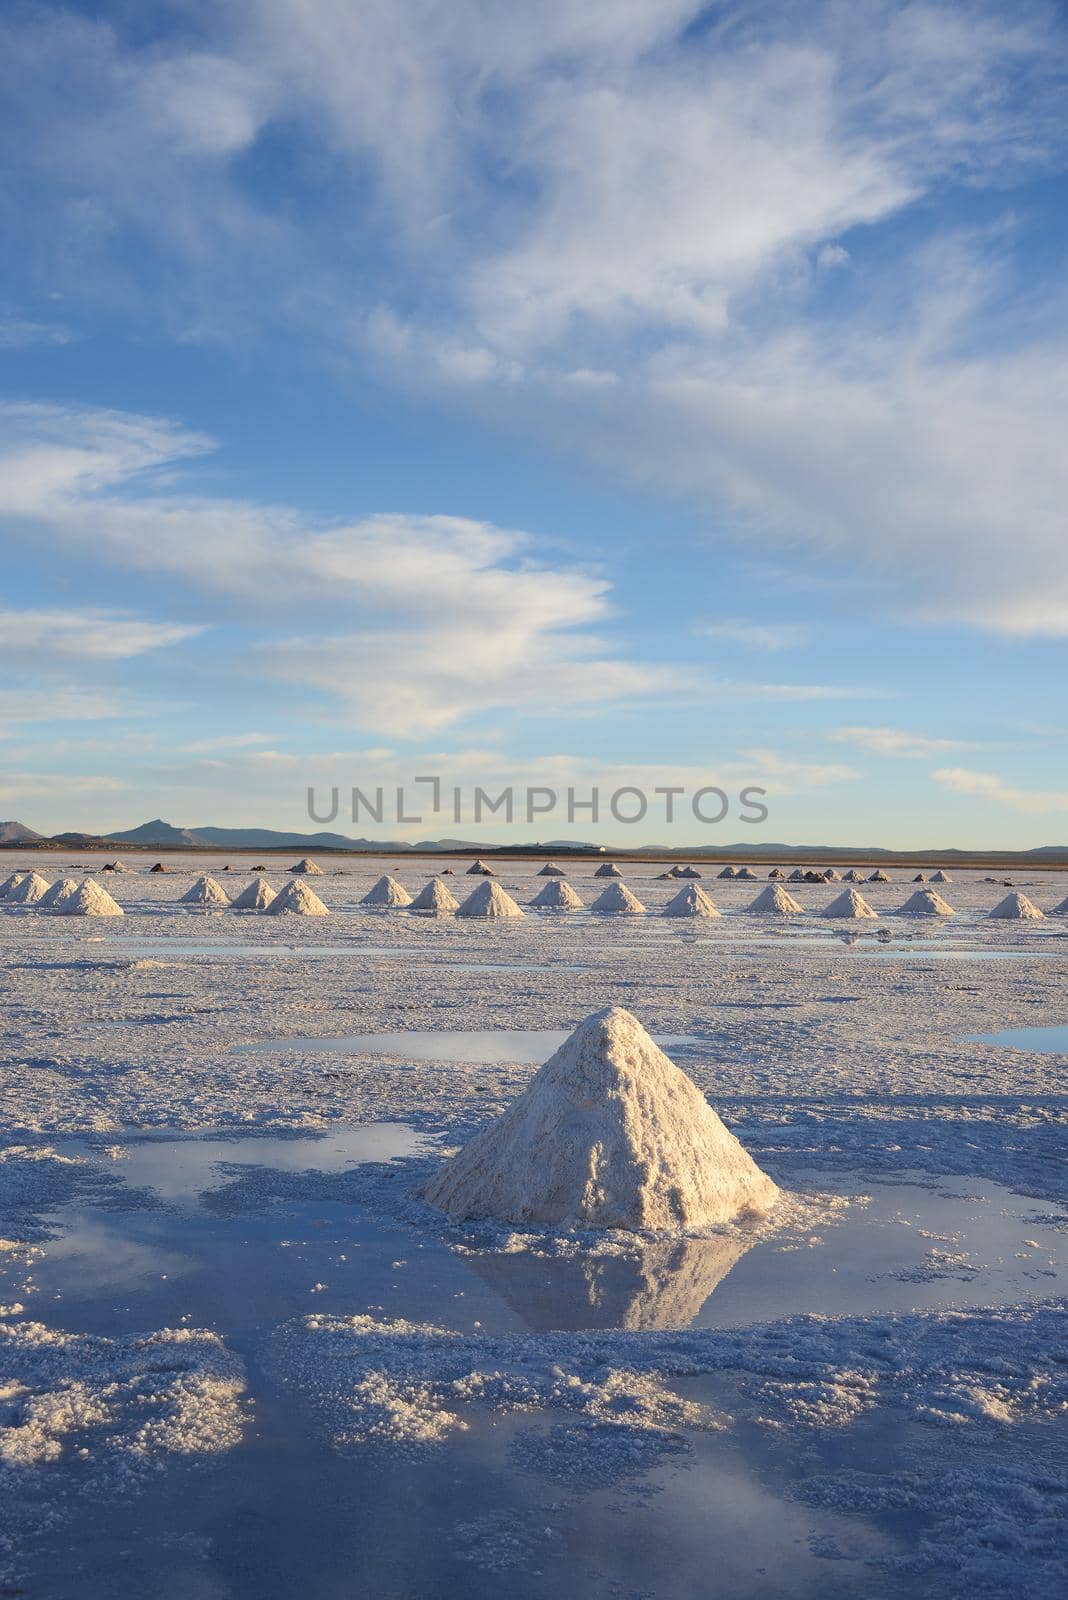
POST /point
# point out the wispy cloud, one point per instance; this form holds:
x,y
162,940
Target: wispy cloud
x,y
987,786
92,635
895,742
755,635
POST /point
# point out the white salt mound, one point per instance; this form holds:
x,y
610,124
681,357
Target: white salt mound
x,y
257,897
926,903
551,870
608,869
921,877
608,1134
434,896
776,901
879,876
11,882
941,877
59,891
832,875
796,876
853,876
1016,907
776,874
297,900
480,869
850,906
489,900
30,889
89,900
306,868
689,872
387,892
616,900
205,892
727,872
557,896
691,901
747,873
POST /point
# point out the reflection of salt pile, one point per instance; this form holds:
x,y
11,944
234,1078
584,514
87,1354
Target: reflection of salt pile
x,y
489,900
616,900
775,901
691,901
59,891
608,869
89,900
205,892
257,897
306,868
557,896
297,900
849,905
30,889
941,877
551,870
926,903
1016,907
479,869
608,1134
434,896
387,892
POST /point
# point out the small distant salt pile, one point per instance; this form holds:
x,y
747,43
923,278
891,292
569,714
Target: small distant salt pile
x,y
879,876
775,901
747,873
616,900
479,869
689,872
672,872
832,875
557,896
59,891
796,876
691,901
11,883
434,896
812,876
489,900
850,906
205,892
29,890
1061,910
257,897
853,876
89,900
551,870
159,867
608,869
609,1133
297,900
921,877
1016,907
926,903
941,877
114,866
777,875
387,892
727,872
306,868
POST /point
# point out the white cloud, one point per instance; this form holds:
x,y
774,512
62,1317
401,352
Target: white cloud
x,y
19,707
756,635
89,635
894,742
56,785
987,786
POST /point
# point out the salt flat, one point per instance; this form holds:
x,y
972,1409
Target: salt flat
x,y
910,1442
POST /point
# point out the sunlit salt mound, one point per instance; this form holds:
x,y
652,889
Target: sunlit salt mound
x,y
921,877
832,875
608,869
479,869
777,875
853,876
796,876
926,903
850,906
557,896
608,1134
776,901
205,892
616,900
387,892
88,900
747,873
434,896
257,897
489,900
551,870
879,876
297,900
306,868
10,883
691,901
727,872
28,891
688,872
941,877
59,891
1016,907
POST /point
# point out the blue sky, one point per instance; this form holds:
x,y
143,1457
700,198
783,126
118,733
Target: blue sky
x,y
629,393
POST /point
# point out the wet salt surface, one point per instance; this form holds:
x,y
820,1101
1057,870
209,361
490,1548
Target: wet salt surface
x,y
1052,1040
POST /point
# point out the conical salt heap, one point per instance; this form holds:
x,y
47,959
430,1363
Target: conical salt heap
x,y
926,903
796,876
879,876
776,874
480,869
59,891
1016,907
608,869
387,892
434,896
608,1134
747,873
557,896
832,875
727,872
921,877
28,891
10,883
551,870
777,901
205,892
89,900
850,906
689,872
306,868
853,876
257,897
489,900
616,900
1061,910
297,900
941,877
691,901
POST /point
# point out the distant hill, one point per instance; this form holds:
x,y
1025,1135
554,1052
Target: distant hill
x,y
161,833
17,833
270,839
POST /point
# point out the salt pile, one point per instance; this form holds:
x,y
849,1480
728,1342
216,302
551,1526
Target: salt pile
x,y
941,877
297,900
727,872
557,896
616,900
879,876
853,876
832,875
10,883
306,868
775,900
489,900
479,869
257,897
689,872
59,891
921,877
551,870
88,900
926,903
29,890
691,901
850,905
434,896
159,867
608,1134
1016,907
796,876
1061,910
608,869
205,892
776,874
387,892
747,873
